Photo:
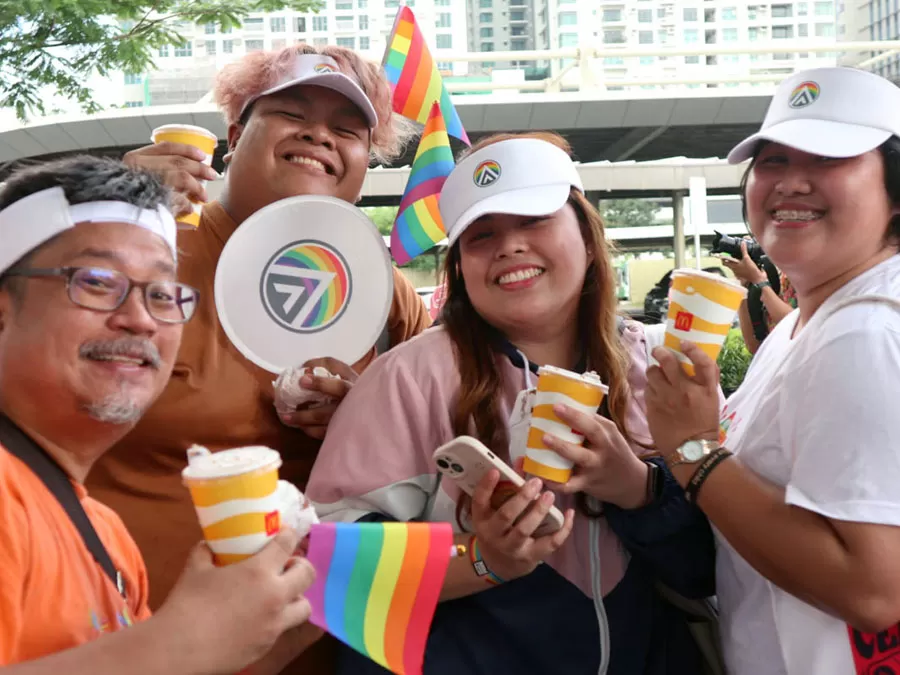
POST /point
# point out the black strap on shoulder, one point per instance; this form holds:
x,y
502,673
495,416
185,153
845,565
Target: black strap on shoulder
x,y
18,443
756,314
755,305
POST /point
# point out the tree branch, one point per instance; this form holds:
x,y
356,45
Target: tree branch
x,y
134,33
144,18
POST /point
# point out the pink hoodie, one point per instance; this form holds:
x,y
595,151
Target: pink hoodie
x,y
377,453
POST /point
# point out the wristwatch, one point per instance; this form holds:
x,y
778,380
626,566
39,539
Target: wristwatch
x,y
691,452
759,285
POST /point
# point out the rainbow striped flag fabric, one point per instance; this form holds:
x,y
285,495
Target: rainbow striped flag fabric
x,y
418,226
377,586
414,76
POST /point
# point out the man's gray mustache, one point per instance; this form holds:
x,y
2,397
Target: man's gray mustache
x,y
134,348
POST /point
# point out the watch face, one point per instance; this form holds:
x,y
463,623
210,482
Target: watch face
x,y
692,451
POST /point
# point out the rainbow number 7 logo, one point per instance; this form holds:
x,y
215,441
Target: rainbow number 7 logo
x,y
286,288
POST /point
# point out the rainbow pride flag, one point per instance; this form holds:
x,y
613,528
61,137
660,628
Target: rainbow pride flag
x,y
414,76
377,586
418,226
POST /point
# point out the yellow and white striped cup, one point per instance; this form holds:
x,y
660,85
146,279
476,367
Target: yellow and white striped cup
x,y
702,307
238,498
556,385
197,137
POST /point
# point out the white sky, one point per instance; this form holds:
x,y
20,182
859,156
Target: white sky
x,y
107,90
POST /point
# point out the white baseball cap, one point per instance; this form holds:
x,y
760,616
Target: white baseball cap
x,y
520,176
830,112
321,71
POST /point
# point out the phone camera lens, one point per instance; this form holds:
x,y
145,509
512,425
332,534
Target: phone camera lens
x,y
443,463
456,467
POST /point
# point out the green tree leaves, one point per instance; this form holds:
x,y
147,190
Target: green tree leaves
x,y
60,44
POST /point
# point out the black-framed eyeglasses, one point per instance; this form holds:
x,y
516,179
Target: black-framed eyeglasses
x,y
106,290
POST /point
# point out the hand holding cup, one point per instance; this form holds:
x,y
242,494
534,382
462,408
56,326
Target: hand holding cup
x,y
605,466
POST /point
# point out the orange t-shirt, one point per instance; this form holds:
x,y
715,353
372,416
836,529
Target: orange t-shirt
x,y
53,594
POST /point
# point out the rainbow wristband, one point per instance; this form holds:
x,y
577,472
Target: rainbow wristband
x,y
481,569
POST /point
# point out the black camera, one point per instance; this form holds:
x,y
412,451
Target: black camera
x,y
723,243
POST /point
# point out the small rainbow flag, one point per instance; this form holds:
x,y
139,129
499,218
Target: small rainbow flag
x,y
419,226
377,586
414,76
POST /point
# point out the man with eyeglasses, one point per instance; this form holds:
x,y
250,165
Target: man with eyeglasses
x,y
302,120
91,317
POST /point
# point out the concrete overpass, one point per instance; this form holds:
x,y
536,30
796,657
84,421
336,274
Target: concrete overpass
x,y
612,119
605,118
613,125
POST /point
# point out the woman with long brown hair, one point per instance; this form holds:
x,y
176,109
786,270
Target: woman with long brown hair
x,y
530,282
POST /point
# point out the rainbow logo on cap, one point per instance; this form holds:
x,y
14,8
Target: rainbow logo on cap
x,y
324,68
804,94
306,286
486,173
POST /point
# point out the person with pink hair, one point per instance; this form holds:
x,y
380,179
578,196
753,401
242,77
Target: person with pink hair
x,y
301,121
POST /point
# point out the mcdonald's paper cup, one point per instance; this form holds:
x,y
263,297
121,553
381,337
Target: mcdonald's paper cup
x,y
239,500
702,307
556,385
198,137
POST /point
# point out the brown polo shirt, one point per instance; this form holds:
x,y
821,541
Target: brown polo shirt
x,y
218,399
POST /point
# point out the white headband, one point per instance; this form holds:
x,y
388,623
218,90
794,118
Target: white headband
x,y
37,218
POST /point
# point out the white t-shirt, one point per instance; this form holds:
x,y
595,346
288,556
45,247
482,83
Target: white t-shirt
x,y
817,414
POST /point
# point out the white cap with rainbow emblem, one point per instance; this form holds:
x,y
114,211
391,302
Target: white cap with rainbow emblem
x,y
520,176
830,112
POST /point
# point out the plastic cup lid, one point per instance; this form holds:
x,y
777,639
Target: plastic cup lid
x,y
189,128
232,462
718,278
591,379
305,277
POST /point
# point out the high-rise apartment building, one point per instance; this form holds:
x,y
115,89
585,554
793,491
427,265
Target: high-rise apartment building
x,y
667,24
509,25
870,20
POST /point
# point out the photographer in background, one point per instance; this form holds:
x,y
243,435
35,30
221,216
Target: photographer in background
x,y
770,296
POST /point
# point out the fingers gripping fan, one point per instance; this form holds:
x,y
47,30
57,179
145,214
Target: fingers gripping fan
x,y
303,278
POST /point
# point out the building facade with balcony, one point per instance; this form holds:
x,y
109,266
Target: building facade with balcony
x,y
868,20
185,74
509,25
670,24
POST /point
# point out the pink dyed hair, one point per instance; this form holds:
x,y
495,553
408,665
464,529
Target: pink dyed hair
x,y
257,71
